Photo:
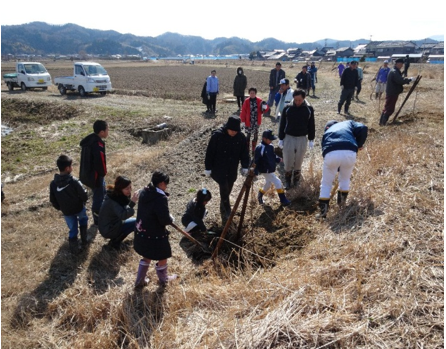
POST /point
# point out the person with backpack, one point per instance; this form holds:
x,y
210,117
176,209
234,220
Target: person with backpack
x,y
69,196
93,165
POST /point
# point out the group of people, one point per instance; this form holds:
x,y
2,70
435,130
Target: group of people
x,y
389,80
113,207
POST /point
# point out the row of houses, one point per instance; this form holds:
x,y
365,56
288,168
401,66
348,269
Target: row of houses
x,y
374,49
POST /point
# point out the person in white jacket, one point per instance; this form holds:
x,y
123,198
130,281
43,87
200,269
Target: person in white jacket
x,y
286,97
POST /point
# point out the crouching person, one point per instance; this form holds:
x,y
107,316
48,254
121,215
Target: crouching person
x,y
193,218
114,216
69,196
340,143
151,236
266,160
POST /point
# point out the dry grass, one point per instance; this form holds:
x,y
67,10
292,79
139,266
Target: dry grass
x,y
370,276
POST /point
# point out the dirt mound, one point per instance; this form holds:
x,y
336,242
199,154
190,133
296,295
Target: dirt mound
x,y
21,111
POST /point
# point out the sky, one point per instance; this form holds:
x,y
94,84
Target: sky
x,y
252,20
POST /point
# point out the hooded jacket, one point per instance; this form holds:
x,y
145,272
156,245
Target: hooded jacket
x,y
114,210
240,83
67,194
93,164
265,158
224,153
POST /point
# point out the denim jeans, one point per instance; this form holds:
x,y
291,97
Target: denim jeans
x,y
128,226
80,218
98,197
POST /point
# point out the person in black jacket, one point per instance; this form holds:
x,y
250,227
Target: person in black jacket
x,y
240,83
196,211
151,236
266,160
227,147
395,82
118,206
204,98
296,124
275,76
69,196
349,80
340,143
303,80
406,66
93,166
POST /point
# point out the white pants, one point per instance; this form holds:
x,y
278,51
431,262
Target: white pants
x,y
344,160
380,87
271,178
294,149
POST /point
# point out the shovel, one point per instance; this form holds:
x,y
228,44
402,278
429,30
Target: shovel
x,y
195,241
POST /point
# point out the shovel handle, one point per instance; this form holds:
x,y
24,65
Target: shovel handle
x,y
185,234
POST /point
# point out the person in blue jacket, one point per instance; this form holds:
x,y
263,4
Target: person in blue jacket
x,y
266,160
340,144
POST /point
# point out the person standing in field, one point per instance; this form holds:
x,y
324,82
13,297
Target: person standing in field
x,y
204,97
296,124
275,76
240,83
266,160
303,80
359,82
285,99
69,196
381,80
151,236
395,82
212,89
349,80
406,66
93,165
251,116
227,148
341,68
340,143
313,74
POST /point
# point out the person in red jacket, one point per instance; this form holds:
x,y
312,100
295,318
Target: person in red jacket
x,y
251,115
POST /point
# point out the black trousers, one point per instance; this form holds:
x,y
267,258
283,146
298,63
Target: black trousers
x,y
225,192
212,101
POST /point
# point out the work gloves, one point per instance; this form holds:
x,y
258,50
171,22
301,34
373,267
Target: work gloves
x,y
207,173
244,171
311,144
281,144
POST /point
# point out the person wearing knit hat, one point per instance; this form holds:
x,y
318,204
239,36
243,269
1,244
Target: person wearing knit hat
x,y
227,148
395,82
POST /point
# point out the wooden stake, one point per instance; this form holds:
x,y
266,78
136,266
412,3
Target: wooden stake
x,y
417,80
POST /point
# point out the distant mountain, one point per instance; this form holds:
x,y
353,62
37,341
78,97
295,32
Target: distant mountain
x,y
38,38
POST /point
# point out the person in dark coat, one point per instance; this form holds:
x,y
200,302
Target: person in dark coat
x,y
240,83
349,80
69,196
406,66
226,149
340,143
395,82
151,236
204,98
275,76
303,80
193,218
114,217
93,165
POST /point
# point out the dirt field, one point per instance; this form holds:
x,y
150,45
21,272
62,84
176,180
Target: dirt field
x,y
369,276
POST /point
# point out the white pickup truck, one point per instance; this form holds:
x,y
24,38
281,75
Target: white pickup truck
x,y
88,77
28,75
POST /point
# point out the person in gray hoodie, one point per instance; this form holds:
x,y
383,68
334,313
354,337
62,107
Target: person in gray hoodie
x,y
68,195
118,206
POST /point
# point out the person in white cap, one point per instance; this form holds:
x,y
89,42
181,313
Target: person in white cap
x,y
381,79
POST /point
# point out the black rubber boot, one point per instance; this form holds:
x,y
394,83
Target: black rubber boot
x,y
323,207
288,180
342,198
260,197
296,178
383,120
74,246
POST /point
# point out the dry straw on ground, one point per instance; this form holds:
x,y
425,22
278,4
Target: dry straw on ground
x,y
369,276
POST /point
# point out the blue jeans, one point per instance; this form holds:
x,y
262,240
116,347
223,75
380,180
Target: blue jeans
x,y
98,197
128,226
73,220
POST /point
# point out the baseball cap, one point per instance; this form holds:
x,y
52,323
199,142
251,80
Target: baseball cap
x,y
284,81
386,61
329,124
268,134
399,60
